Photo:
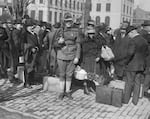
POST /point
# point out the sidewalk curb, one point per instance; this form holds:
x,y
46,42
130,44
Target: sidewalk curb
x,y
19,112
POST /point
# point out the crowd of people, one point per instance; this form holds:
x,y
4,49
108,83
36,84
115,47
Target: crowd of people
x,y
57,49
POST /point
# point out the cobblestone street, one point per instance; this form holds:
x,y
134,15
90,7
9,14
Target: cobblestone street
x,y
33,103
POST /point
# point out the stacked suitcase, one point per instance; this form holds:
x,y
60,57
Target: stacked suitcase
x,y
111,94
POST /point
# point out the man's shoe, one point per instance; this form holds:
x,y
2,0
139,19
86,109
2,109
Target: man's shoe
x,y
27,86
61,96
69,95
146,94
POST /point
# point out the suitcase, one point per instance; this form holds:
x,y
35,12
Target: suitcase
x,y
117,84
51,84
117,97
103,94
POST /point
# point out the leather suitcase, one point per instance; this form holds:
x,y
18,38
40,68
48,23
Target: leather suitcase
x,y
103,94
51,84
117,97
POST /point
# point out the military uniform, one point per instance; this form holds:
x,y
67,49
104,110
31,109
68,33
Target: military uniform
x,y
67,52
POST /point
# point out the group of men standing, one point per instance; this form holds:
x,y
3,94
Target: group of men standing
x,y
132,59
40,48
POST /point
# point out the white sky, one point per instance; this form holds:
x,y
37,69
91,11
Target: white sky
x,y
145,4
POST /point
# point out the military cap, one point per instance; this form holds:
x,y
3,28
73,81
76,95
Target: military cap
x,y
91,22
68,17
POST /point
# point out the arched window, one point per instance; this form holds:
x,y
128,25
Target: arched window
x,y
107,20
97,20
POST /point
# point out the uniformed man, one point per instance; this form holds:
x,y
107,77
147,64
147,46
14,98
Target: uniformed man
x,y
68,54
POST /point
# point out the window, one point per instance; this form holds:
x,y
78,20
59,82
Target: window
x,y
40,15
55,18
107,20
60,17
70,4
66,3
97,20
77,5
51,2
127,9
61,1
124,8
56,1
130,10
90,6
74,4
41,1
33,14
81,6
33,1
98,7
108,5
50,16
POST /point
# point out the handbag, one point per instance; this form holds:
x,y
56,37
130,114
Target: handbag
x,y
106,53
80,73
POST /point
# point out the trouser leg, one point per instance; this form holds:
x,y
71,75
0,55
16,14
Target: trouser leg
x,y
129,82
62,68
69,73
146,83
136,89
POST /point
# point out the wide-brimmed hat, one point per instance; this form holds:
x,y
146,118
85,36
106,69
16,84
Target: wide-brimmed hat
x,y
68,17
130,28
146,23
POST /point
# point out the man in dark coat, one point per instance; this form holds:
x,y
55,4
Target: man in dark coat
x,y
31,47
145,32
4,53
120,51
137,52
17,37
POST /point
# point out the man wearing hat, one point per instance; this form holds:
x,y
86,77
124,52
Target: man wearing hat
x,y
145,32
135,64
68,54
4,54
31,48
17,36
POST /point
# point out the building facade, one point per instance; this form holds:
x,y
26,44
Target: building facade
x,y
112,12
5,4
52,11
140,15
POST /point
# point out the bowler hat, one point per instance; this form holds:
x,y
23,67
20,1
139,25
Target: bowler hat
x,y
68,17
29,22
130,28
146,23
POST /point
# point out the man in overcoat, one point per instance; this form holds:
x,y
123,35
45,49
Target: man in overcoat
x,y
135,65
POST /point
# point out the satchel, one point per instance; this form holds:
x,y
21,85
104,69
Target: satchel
x,y
106,53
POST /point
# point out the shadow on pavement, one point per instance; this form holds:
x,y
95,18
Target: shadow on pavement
x,y
13,92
